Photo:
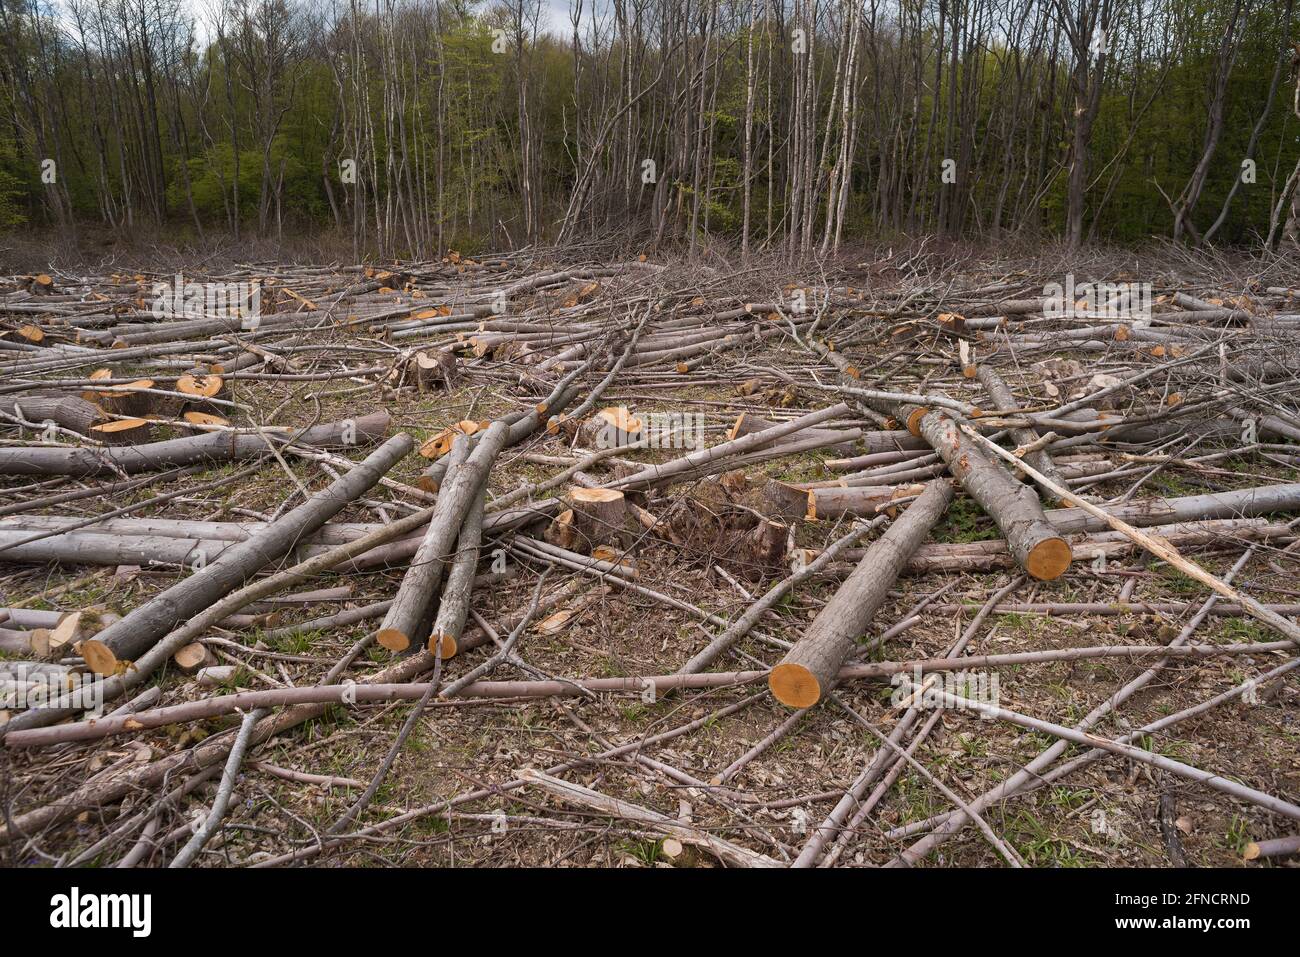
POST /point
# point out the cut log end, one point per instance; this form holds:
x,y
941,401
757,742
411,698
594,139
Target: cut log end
x,y
123,431
98,657
734,432
594,495
205,421
192,657
1049,559
1251,852
393,639
914,420
449,646
794,686
200,386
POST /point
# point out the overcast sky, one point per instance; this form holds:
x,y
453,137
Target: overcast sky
x,y
555,14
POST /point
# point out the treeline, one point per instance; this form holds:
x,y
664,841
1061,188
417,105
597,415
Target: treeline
x,y
414,126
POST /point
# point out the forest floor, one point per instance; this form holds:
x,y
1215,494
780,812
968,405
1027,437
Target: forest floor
x,y
900,320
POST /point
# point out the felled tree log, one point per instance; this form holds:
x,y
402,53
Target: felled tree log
x,y
845,440
1241,503
405,623
873,459
829,503
453,604
808,670
1004,401
69,411
993,554
704,461
139,630
410,610
519,426
207,448
1038,547
1277,847
93,548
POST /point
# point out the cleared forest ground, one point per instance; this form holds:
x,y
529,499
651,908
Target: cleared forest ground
x,y
1180,416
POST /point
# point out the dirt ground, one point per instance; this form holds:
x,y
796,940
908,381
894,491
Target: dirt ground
x,y
1106,814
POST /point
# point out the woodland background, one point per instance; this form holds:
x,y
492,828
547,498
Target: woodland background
x,y
793,125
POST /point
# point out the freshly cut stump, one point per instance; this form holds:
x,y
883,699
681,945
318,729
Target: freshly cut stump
x,y
200,389
131,399
205,421
613,427
432,370
600,516
123,431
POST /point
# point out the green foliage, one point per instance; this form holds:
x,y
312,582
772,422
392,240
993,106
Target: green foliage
x,y
965,521
437,120
13,187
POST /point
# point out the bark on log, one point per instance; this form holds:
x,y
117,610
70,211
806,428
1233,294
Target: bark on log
x,y
598,516
453,605
831,503
1004,401
845,440
704,461
1038,547
1277,847
993,554
211,447
405,623
69,411
808,670
1240,503
137,631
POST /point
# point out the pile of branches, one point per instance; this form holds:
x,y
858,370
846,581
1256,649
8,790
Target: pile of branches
x,y
537,477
